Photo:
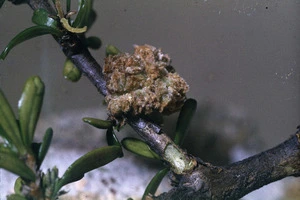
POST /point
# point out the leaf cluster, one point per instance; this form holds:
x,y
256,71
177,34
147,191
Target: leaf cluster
x,y
141,148
22,156
58,25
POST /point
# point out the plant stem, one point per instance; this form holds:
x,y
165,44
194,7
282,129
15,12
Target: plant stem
x,y
179,161
197,180
238,179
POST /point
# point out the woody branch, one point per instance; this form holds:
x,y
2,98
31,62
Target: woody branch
x,y
202,180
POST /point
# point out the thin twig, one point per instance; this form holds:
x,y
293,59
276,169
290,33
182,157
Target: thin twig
x,y
203,180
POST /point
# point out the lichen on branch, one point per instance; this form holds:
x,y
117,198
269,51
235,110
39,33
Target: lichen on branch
x,y
143,82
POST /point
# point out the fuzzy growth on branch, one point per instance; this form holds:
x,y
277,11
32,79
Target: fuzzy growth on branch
x,y
200,180
143,82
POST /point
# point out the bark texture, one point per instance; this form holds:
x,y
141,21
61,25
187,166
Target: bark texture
x,y
238,179
199,180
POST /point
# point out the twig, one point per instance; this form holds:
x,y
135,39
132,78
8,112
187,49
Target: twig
x,y
199,180
73,48
238,179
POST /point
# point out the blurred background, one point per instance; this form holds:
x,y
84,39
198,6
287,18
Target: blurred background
x,y
240,58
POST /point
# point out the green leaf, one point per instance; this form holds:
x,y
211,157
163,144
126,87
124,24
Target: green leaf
x,y
154,183
111,50
1,3
112,138
139,147
12,163
19,185
98,123
28,34
30,105
35,148
68,6
184,119
91,18
41,17
4,148
93,42
85,14
88,162
16,197
9,127
49,181
6,138
71,72
45,146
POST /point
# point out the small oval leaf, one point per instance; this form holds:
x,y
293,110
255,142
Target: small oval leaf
x,y
93,42
98,123
139,147
28,34
12,163
111,50
1,3
154,183
18,186
16,197
85,14
185,116
30,105
71,72
41,17
112,138
45,146
92,160
6,148
9,127
68,6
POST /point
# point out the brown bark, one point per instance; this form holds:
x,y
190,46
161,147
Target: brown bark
x,y
204,181
238,179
